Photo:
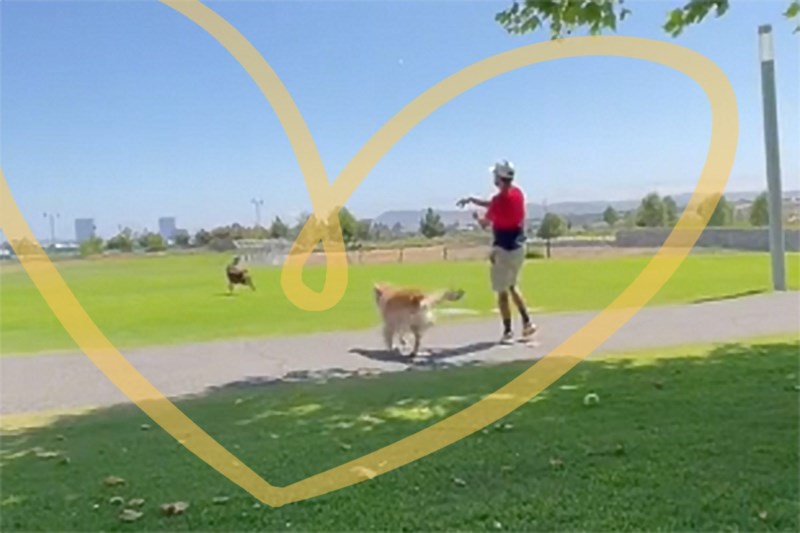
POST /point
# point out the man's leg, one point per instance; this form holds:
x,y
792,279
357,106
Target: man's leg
x,y
516,264
505,313
527,326
500,285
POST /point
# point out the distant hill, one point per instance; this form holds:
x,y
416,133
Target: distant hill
x,y
581,212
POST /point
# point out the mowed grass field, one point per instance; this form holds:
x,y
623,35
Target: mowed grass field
x,y
689,439
180,299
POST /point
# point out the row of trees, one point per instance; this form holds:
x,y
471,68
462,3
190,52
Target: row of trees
x,y
354,231
653,211
657,212
127,241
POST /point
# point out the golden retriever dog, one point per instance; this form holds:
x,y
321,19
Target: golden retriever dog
x,y
406,310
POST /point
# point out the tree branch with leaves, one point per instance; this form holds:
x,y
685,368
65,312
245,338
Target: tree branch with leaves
x,y
563,17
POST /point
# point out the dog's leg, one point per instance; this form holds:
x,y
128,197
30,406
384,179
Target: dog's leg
x,y
417,332
388,337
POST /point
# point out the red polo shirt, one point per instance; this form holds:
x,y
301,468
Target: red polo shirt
x,y
507,209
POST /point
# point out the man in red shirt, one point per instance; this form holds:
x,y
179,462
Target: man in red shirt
x,y
505,213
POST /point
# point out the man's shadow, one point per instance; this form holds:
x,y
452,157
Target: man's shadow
x,y
432,355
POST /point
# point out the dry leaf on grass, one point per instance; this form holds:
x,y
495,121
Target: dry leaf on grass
x,y
556,463
459,482
116,500
113,481
136,502
44,454
219,500
144,427
175,508
13,499
129,515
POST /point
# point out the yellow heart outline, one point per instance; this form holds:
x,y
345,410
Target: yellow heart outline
x,y
325,199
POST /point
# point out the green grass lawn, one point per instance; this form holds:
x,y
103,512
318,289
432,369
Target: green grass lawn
x,y
179,299
692,439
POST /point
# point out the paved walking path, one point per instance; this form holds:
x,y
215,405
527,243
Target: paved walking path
x,y
68,381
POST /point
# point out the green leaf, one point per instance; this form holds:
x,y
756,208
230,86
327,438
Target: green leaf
x,y
674,23
610,21
592,13
571,14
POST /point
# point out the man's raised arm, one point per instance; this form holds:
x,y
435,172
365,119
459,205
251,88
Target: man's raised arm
x,y
472,200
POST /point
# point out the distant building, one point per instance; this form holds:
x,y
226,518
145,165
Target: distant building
x,y
84,229
167,228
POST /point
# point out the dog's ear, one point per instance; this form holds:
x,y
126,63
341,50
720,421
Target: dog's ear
x,y
417,299
378,290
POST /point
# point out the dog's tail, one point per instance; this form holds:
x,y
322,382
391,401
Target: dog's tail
x,y
436,298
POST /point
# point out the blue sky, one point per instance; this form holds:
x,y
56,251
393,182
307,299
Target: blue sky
x,y
126,111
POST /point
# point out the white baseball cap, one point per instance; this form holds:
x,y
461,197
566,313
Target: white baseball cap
x,y
503,169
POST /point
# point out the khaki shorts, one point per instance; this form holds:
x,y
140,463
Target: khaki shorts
x,y
506,265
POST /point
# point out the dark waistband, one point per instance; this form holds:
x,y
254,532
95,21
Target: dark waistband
x,y
509,239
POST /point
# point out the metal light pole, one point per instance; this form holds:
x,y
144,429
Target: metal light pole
x,y
257,203
776,238
52,217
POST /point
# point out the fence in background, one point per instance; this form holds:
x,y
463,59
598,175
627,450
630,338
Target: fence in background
x,y
756,239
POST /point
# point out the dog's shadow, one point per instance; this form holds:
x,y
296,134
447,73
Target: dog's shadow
x,y
432,355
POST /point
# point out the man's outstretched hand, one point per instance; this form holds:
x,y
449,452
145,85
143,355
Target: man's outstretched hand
x,y
464,202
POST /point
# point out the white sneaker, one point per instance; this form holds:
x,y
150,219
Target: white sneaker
x,y
507,338
529,330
